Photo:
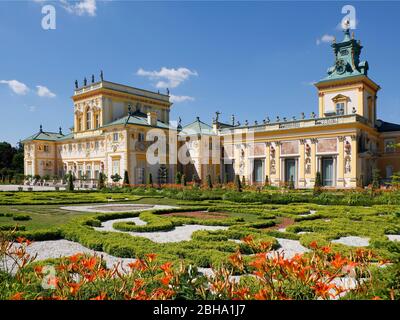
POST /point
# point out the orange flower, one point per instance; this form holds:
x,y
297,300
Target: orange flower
x,y
17,296
338,262
20,239
322,289
138,265
313,245
326,249
166,267
151,256
75,258
376,298
90,263
38,269
165,280
102,296
74,287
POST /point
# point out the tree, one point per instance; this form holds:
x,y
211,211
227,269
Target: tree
x,y
266,182
395,180
70,185
183,181
375,179
238,185
116,178
178,178
126,178
102,178
149,180
209,182
243,181
318,183
196,180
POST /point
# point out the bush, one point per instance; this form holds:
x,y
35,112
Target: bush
x,y
126,178
178,178
22,217
238,184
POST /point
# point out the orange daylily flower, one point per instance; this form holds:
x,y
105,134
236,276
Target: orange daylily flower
x,y
17,296
74,287
313,245
102,296
151,256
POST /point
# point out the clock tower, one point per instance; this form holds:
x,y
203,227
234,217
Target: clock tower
x,y
347,89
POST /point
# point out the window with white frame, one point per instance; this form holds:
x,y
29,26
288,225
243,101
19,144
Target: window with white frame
x,y
140,173
88,171
115,166
96,145
88,120
115,136
340,108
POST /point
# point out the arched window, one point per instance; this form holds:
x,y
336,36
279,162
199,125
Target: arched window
x,y
88,120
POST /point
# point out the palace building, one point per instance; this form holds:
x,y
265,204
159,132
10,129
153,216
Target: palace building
x,y
343,140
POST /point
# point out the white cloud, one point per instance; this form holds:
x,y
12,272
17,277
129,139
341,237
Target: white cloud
x,y
16,86
177,99
168,78
43,91
81,8
32,108
326,38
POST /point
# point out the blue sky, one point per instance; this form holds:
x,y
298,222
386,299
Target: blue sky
x,y
252,59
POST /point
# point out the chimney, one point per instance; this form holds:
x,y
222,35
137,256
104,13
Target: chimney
x,y
152,118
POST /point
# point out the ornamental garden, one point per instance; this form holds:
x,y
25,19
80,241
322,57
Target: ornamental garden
x,y
192,241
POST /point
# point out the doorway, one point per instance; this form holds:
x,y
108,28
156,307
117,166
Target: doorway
x,y
327,172
290,170
258,171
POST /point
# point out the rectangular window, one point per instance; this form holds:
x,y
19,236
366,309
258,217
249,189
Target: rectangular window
x,y
390,145
79,146
140,175
115,166
96,145
87,145
46,148
88,120
70,147
80,171
97,121
141,137
340,108
88,172
115,136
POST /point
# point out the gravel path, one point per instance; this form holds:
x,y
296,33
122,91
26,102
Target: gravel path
x,y
352,241
181,233
393,237
289,247
107,208
64,248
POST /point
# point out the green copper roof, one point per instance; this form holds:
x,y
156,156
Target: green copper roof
x,y
347,59
42,135
137,120
197,127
